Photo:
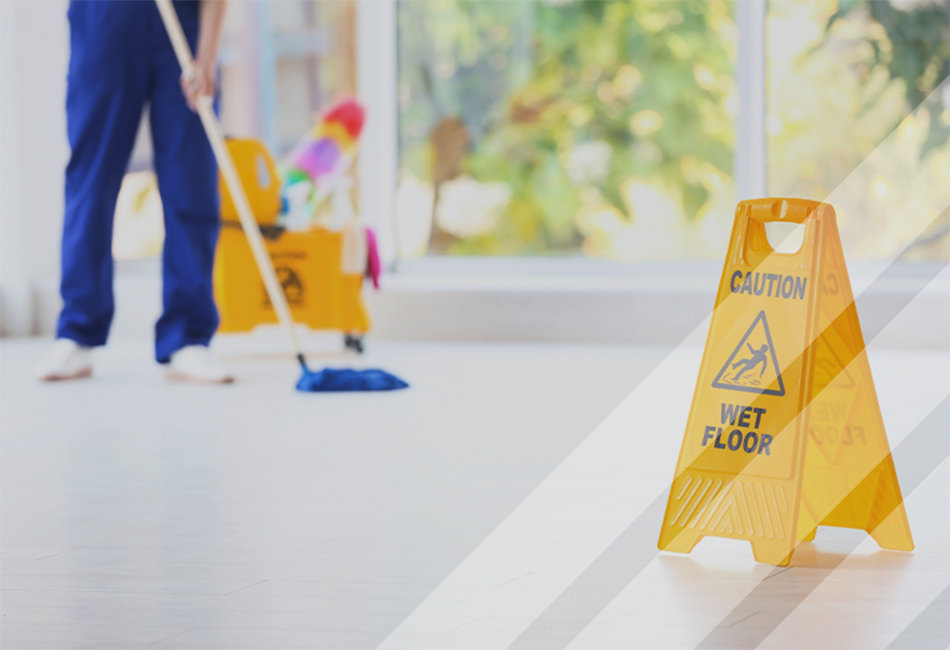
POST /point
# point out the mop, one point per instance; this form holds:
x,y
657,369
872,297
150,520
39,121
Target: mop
x,y
328,379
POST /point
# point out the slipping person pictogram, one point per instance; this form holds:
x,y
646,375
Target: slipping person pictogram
x,y
739,370
758,356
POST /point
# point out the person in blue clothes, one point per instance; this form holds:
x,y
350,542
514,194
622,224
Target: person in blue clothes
x,y
121,60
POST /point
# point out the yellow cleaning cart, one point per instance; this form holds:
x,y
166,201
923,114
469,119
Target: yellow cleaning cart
x,y
309,264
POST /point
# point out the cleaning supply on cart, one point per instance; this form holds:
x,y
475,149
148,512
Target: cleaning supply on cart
x,y
317,168
296,213
374,267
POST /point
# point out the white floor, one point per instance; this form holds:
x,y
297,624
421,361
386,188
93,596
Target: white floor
x,y
138,513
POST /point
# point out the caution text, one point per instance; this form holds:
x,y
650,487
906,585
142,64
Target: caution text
x,y
773,285
736,432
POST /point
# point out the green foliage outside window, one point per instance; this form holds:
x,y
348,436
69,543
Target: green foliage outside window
x,y
554,127
855,116
566,103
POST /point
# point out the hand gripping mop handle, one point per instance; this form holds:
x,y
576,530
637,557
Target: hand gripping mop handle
x,y
226,165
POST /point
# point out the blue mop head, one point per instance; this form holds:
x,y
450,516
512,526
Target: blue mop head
x,y
347,379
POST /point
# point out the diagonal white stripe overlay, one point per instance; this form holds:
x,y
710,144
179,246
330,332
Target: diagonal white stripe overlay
x,y
536,553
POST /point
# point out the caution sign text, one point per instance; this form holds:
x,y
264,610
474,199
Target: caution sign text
x,y
738,430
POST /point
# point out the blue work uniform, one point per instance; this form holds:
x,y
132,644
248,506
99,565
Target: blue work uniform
x,y
120,60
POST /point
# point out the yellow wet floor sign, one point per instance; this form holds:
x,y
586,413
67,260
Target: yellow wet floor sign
x,y
785,432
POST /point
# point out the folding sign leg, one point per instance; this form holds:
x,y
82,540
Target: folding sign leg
x,y
777,553
682,542
893,531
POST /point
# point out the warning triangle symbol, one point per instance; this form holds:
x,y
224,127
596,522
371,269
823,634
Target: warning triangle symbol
x,y
752,366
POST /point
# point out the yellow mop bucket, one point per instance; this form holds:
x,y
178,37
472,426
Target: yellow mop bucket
x,y
308,264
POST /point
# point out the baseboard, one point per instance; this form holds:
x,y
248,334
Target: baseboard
x,y
647,308
18,310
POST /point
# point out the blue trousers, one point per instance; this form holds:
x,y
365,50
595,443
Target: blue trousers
x,y
121,60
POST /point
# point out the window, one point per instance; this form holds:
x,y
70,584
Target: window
x,y
553,127
606,129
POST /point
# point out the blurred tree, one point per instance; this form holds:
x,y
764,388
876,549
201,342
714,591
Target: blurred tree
x,y
600,116
914,49
913,46
565,102
871,116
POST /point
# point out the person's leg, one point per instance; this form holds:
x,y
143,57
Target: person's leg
x,y
188,183
106,90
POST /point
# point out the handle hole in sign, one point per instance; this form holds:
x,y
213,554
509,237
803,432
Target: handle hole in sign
x,y
263,172
786,237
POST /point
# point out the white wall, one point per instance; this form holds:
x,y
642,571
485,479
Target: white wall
x,y
34,50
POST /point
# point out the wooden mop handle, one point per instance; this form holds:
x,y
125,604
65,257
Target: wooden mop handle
x,y
229,172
